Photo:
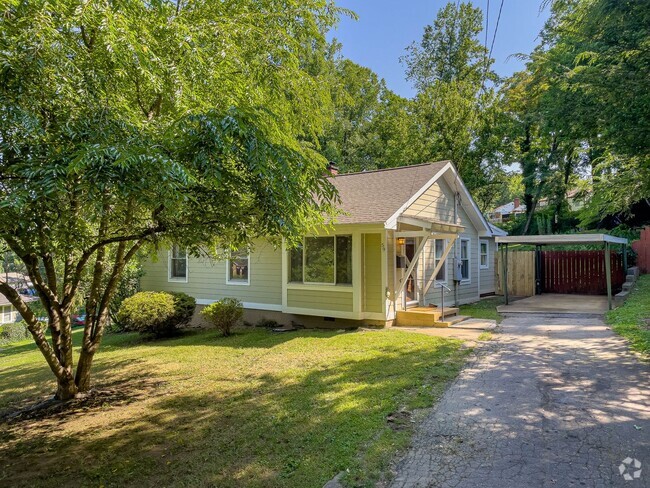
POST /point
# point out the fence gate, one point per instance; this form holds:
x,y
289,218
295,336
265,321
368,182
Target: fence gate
x,y
521,274
580,272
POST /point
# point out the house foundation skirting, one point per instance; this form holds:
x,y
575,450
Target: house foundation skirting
x,y
308,321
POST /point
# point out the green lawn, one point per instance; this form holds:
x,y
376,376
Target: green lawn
x,y
484,309
632,319
254,410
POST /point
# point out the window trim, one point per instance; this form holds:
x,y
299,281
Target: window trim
x,y
238,282
469,259
304,257
175,279
487,254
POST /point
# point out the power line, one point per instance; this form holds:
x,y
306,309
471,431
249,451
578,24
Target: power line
x,y
496,28
487,28
494,36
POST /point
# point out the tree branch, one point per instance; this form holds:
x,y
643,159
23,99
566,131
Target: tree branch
x,y
34,328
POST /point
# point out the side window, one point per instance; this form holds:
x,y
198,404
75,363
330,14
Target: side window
x,y
239,268
464,258
484,257
439,249
177,264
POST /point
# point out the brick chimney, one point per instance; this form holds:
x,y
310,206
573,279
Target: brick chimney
x,y
517,202
332,168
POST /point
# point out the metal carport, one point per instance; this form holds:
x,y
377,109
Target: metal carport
x,y
563,239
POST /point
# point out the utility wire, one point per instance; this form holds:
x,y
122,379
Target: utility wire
x,y
496,28
487,28
494,36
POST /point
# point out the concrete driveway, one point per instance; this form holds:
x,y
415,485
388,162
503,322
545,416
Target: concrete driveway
x,y
554,401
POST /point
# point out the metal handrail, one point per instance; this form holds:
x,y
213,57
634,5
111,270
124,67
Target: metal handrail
x,y
436,282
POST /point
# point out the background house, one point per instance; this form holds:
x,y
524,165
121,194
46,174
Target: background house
x,y
507,211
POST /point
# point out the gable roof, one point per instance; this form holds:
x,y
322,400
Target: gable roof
x,y
380,197
375,196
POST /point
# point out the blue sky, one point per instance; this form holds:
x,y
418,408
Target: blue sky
x,y
386,27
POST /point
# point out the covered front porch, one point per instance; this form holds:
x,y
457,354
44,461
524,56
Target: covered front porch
x,y
422,247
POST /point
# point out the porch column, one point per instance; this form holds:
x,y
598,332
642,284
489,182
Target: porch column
x,y
608,273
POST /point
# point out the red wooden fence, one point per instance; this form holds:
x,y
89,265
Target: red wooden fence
x,y
580,272
642,249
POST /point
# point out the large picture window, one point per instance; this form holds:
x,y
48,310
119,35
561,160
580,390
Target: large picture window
x,y
239,268
464,259
177,264
325,260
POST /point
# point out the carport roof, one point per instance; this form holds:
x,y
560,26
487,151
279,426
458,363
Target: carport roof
x,y
559,239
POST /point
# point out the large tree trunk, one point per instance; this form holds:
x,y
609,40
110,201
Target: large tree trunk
x,y
82,378
66,388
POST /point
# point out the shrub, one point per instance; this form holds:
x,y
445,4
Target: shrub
x,y
157,313
14,332
224,314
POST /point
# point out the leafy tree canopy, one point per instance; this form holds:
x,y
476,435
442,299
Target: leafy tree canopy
x,y
129,124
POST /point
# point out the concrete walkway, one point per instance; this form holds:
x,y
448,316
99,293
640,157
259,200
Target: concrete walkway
x,y
553,402
557,303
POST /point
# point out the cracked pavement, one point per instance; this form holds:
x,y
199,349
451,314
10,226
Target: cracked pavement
x,y
553,401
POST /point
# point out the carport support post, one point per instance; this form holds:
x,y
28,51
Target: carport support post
x,y
504,270
625,259
608,273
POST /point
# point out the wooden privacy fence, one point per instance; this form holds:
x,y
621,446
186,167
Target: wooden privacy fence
x,y
642,249
580,272
521,274
577,272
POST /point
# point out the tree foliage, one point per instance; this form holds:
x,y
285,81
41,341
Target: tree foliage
x,y
128,125
582,107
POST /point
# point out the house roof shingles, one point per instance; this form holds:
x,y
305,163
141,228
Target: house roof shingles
x,y
374,196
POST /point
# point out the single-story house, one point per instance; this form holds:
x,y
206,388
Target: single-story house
x,y
409,236
8,312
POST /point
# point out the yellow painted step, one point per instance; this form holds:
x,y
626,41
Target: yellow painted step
x,y
424,316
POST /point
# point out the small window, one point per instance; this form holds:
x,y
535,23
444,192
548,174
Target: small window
x,y
464,259
324,260
238,268
6,314
439,249
485,263
177,264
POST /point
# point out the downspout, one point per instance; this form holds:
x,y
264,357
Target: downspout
x,y
456,252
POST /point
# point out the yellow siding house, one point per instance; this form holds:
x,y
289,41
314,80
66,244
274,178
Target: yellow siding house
x,y
408,237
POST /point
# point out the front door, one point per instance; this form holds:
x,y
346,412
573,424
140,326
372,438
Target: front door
x,y
411,289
